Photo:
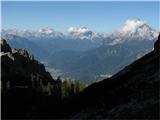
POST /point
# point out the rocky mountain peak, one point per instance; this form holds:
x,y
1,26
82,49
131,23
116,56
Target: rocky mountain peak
x,y
46,30
23,52
19,65
4,46
134,29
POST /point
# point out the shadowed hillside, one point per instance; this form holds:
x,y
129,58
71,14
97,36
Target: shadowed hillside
x,y
131,93
23,80
28,90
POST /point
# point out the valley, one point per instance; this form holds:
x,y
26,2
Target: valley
x,y
80,60
86,56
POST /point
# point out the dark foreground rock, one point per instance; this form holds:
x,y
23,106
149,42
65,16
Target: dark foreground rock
x,y
22,81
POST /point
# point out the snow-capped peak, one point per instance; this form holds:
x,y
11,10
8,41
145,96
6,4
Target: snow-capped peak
x,y
78,30
134,29
132,25
83,33
46,30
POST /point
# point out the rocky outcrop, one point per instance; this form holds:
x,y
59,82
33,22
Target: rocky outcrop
x,y
4,46
24,82
132,93
20,69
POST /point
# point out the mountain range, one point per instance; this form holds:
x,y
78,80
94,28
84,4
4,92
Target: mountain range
x,y
29,91
84,54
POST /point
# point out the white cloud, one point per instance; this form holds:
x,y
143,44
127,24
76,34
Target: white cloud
x,y
134,29
132,25
47,30
81,33
76,30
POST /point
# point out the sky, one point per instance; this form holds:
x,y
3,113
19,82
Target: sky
x,y
97,16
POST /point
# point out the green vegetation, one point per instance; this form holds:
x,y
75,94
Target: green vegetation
x,y
70,88
61,89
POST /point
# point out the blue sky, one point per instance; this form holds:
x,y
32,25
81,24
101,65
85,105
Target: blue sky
x,y
97,16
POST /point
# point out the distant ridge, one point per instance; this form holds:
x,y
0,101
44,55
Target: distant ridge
x,y
84,54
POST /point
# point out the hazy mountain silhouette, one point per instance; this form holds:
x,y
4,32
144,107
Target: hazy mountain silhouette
x,y
83,54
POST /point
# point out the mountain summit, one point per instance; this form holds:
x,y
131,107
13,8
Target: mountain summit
x,y
46,30
134,29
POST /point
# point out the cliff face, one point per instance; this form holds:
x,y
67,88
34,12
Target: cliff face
x,y
20,69
131,93
22,82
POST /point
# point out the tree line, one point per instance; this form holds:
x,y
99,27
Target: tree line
x,y
61,88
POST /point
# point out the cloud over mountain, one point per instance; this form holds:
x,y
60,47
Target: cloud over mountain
x,y
136,26
46,30
82,49
82,32
132,29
